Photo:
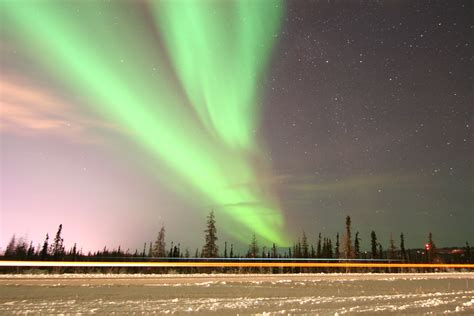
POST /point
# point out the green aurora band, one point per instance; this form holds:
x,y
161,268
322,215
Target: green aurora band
x,y
193,106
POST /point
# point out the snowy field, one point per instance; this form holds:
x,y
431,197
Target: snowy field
x,y
334,294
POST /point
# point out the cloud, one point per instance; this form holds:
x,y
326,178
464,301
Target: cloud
x,y
352,183
27,109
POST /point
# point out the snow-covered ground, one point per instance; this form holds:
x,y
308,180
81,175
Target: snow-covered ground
x,y
239,293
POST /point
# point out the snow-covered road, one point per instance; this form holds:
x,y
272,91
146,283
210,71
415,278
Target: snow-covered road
x,y
244,294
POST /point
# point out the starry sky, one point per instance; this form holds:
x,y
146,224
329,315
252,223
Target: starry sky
x,y
282,117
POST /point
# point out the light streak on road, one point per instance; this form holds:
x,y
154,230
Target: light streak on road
x,y
214,264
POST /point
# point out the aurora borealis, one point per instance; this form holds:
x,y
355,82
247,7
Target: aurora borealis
x,y
168,109
219,56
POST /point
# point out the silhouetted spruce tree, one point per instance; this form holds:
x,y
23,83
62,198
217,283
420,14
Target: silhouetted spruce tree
x,y
373,244
330,254
176,251
225,249
431,249
318,249
337,253
150,249
210,249
21,249
74,251
105,252
348,253
274,251
304,246
391,248
402,247
297,249
253,247
57,248
11,247
159,248
324,248
357,245
380,251
45,249
467,253
231,251
31,251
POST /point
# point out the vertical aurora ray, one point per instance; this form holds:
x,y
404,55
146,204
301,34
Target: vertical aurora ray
x,y
219,53
107,53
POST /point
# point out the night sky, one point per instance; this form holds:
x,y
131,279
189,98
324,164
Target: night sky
x,y
286,118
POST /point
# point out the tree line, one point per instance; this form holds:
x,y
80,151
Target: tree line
x,y
347,246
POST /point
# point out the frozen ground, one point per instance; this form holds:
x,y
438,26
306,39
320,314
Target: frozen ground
x,y
440,293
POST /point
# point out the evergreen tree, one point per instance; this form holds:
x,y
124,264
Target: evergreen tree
x,y
467,253
274,251
391,248
402,247
318,249
159,248
210,249
44,250
21,249
31,251
57,248
324,248
11,247
380,251
74,251
348,252
304,246
357,245
176,251
297,249
253,247
336,249
150,249
330,254
231,251
225,249
430,248
373,244
170,252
